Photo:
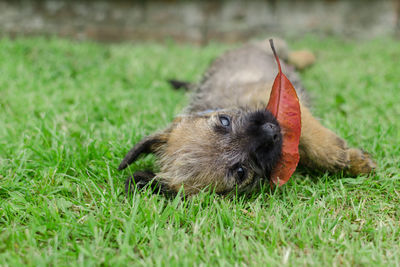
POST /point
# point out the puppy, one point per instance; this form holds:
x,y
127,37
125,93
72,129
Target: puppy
x,y
226,140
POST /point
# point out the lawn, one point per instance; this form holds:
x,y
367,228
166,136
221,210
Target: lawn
x,y
70,111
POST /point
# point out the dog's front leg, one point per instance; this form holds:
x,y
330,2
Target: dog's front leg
x,y
322,149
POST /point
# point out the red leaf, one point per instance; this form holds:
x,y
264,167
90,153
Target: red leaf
x,y
284,105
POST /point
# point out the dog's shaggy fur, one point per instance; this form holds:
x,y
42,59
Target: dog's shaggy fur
x,y
226,140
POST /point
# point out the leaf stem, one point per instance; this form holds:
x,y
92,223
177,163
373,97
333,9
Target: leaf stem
x,y
271,42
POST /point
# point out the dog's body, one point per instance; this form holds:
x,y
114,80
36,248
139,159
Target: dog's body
x,y
226,140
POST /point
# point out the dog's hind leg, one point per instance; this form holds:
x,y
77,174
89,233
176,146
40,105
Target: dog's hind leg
x,y
322,149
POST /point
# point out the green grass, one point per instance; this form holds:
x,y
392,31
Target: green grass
x,y
69,111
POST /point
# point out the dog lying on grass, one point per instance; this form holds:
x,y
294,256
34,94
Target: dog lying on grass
x,y
226,140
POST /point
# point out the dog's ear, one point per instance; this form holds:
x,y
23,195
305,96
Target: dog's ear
x,y
147,145
140,179
143,179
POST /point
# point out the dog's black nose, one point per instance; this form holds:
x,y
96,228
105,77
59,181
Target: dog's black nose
x,y
271,131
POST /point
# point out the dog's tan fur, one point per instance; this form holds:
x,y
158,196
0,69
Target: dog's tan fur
x,y
192,154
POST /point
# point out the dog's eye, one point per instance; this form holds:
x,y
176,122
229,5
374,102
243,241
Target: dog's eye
x,y
224,121
238,172
241,173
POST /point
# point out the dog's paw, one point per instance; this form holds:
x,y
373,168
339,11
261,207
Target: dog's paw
x,y
360,162
301,59
325,151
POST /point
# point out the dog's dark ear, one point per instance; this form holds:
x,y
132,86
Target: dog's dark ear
x,y
146,145
142,179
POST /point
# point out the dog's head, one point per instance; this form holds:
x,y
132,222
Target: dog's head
x,y
224,149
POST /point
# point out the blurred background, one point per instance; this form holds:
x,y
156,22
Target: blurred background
x,y
198,21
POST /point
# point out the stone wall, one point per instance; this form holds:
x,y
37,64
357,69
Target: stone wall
x,y
197,21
